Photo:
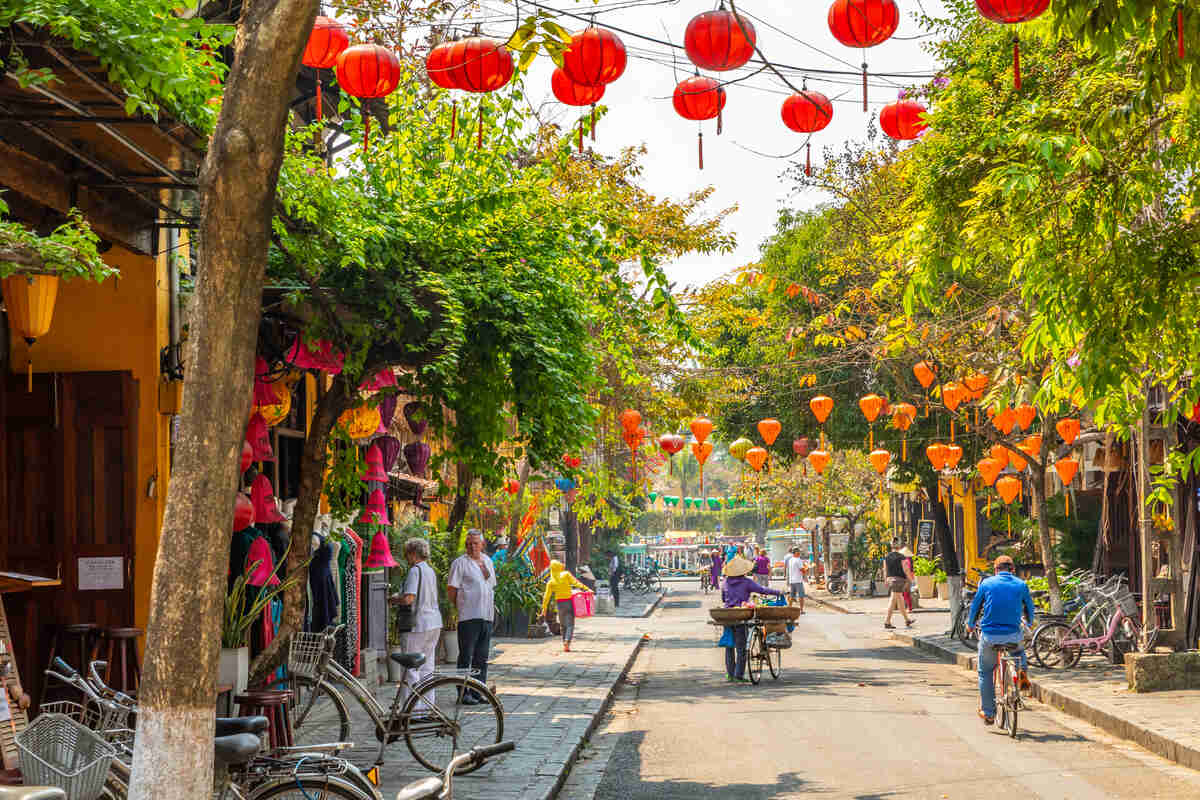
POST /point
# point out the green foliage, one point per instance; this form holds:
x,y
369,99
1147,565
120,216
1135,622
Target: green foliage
x,y
69,251
865,552
516,589
244,604
925,566
155,55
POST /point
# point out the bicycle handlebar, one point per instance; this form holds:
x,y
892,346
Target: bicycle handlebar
x,y
64,667
490,751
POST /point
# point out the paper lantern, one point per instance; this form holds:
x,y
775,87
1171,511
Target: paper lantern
x,y
414,415
417,455
699,98
802,446
1000,454
1068,429
630,419
976,382
576,94
243,512
262,497
821,407
806,112
769,430
375,512
479,64
594,57
1017,462
653,496
317,355
1032,445
903,415
702,450
954,454
380,555
374,471
1025,414
880,459
989,469
259,439
863,23
952,396
383,379
368,71
326,41
1010,12
1004,420
820,460
1009,486
439,67
701,427
739,447
274,414
936,453
29,300
265,393
671,443
871,405
719,41
512,486
1066,468
360,422
387,410
902,119
389,449
756,457
925,373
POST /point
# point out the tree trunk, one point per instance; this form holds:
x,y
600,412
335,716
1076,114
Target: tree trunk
x,y
1037,480
570,529
462,497
173,755
945,539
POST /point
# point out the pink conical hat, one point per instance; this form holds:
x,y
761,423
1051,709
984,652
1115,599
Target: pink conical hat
x,y
374,465
264,572
247,455
262,494
264,391
319,355
389,448
380,380
259,439
375,512
243,513
381,552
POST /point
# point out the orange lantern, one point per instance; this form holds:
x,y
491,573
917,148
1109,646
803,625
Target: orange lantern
x,y
925,373
976,382
999,453
1009,487
630,420
936,453
1004,420
880,460
702,450
701,428
903,415
954,454
29,299
871,405
756,457
1017,462
1066,468
769,430
1025,415
1068,429
989,470
820,460
821,407
1032,445
952,396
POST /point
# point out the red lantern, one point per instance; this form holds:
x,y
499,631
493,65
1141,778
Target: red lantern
x,y
699,98
594,58
368,71
439,67
802,446
719,41
325,43
1010,12
479,64
863,23
807,112
902,119
576,94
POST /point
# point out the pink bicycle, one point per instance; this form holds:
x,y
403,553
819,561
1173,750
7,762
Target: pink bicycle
x,y
1062,644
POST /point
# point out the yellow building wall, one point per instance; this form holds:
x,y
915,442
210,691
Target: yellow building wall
x,y
118,325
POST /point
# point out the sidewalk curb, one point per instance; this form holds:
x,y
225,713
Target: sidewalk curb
x,y
565,771
831,606
1105,720
653,606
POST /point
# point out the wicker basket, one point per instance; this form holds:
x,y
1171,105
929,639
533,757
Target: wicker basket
x,y
730,616
57,751
777,613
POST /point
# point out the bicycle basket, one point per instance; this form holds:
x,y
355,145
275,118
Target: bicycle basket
x,y
57,751
304,653
86,715
1129,606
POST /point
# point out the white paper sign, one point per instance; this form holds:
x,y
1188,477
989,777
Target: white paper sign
x,y
98,574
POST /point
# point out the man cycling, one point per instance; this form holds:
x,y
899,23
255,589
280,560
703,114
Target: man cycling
x,y
1002,598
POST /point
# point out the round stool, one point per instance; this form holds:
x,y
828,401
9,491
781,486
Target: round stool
x,y
124,672
72,643
272,704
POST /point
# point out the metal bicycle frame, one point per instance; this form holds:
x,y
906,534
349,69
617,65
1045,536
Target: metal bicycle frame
x,y
1095,643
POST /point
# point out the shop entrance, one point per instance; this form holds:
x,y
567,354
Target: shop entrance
x,y
67,500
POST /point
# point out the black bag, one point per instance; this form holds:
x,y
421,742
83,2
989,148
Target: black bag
x,y
406,613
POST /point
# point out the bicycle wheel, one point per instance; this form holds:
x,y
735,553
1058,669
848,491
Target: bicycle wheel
x,y
655,584
1000,690
1014,703
323,720
308,787
960,631
754,656
1047,646
775,661
455,728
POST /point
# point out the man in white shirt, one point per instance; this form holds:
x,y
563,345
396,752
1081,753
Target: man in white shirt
x,y
796,567
472,589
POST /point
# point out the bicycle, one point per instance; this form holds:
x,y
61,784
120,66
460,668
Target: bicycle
x,y
1005,678
1064,643
705,581
432,720
435,788
758,652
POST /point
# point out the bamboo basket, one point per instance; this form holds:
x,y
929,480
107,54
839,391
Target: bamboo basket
x,y
777,613
730,616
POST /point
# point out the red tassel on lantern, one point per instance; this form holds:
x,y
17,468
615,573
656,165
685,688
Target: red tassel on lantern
x,y
1179,30
700,146
720,122
366,130
808,159
319,117
1016,63
593,123
580,134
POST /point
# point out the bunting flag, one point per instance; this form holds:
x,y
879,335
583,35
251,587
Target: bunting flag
x,y
540,558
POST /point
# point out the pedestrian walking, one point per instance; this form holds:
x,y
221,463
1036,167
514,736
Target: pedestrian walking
x,y
796,567
762,567
893,564
472,590
560,587
420,591
614,578
738,588
908,577
714,571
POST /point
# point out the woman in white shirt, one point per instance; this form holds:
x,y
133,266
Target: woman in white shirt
x,y
420,587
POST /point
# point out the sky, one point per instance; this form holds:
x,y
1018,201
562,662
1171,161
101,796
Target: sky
x,y
640,109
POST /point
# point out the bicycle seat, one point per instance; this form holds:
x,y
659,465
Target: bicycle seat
x,y
230,726
409,660
423,789
237,749
34,793
1004,647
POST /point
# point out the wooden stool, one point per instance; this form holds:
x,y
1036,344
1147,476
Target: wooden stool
x,y
122,644
273,705
73,644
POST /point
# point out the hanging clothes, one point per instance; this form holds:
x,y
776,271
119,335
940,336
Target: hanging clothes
x,y
348,575
323,603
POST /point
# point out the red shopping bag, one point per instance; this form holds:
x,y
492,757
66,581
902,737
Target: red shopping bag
x,y
582,603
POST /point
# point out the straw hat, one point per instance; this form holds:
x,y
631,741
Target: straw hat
x,y
738,566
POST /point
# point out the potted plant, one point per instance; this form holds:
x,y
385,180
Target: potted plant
x,y
240,613
517,596
924,570
943,585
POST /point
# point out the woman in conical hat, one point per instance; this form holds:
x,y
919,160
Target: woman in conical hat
x,y
737,591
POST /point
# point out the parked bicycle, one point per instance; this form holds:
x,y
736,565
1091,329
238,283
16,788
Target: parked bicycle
x,y
641,581
705,581
1062,644
429,716
435,788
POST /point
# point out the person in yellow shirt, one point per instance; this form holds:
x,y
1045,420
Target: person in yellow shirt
x,y
560,585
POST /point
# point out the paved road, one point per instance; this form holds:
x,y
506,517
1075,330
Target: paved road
x,y
855,715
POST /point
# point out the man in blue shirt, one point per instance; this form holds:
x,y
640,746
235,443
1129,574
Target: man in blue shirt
x,y
1003,599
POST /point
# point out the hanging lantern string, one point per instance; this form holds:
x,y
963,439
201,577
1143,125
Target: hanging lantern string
x,y
700,146
479,136
453,118
1016,62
